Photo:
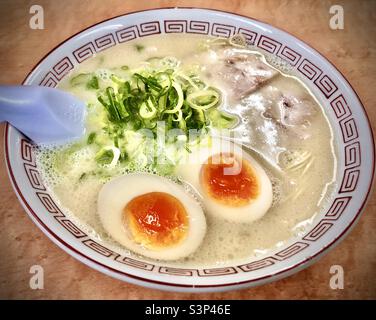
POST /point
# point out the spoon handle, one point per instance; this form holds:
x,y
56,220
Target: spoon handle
x,y
45,115
17,102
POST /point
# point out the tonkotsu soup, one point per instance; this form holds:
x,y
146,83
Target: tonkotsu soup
x,y
166,117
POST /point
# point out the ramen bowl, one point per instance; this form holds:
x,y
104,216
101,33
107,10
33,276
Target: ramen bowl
x,y
347,117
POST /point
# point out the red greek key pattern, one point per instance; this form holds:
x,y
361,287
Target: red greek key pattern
x,y
217,272
178,271
90,48
350,180
49,80
309,70
269,45
49,204
250,36
337,208
201,27
257,265
149,28
135,263
175,26
58,71
34,177
84,52
133,32
184,26
27,153
62,68
95,246
102,250
340,107
71,227
326,86
127,34
352,155
317,232
105,42
289,55
291,250
222,30
348,129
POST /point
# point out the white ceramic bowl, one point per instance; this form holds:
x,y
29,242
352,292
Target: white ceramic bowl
x,y
347,116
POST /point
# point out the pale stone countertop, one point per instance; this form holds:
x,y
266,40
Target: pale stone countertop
x,y
22,244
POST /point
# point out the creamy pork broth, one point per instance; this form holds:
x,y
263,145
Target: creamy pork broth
x,y
279,123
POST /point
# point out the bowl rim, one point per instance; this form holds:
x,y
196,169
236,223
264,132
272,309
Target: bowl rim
x,y
175,286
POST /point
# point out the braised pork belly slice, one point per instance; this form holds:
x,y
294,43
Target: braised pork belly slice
x,y
291,111
242,73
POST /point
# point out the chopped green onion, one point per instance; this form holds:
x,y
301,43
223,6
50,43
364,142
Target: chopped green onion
x,y
82,176
117,80
80,79
147,110
108,156
203,99
93,83
91,138
139,47
180,101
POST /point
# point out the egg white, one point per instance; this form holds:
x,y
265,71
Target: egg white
x,y
189,171
115,195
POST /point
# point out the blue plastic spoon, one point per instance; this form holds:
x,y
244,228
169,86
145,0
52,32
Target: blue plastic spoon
x,y
45,115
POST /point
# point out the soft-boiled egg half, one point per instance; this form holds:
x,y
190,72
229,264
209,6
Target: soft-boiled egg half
x,y
232,183
152,216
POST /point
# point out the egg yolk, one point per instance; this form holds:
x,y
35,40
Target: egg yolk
x,y
229,180
156,220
